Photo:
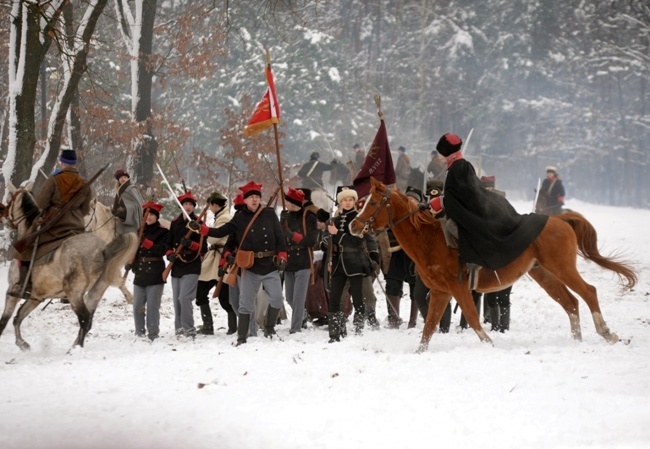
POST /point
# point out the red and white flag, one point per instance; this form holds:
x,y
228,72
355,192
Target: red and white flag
x,y
267,111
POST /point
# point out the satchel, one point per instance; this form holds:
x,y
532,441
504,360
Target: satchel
x,y
245,259
231,277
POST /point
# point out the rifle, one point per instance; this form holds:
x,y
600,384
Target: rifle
x,y
140,233
22,244
179,248
328,267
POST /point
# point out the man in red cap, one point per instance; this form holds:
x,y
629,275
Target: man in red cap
x,y
491,233
127,205
187,266
299,227
265,238
148,267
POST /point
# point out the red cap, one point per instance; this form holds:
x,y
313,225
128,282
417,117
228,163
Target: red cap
x,y
239,200
488,181
294,196
187,196
153,207
252,188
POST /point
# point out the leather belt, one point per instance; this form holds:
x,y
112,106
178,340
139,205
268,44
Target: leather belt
x,y
150,259
263,254
343,249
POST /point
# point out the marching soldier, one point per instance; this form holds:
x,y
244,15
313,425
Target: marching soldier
x,y
261,254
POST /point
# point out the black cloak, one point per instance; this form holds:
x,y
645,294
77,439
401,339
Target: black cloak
x,y
490,231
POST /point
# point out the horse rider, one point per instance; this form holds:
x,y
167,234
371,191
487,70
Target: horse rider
x,y
265,239
57,191
311,177
490,232
551,194
127,205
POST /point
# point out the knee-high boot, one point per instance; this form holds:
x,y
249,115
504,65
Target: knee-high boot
x,y
393,311
413,318
343,330
232,323
208,324
242,328
445,321
271,318
504,318
495,319
16,289
334,328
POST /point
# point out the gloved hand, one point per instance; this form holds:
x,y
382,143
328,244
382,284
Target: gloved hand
x,y
120,213
171,257
146,244
128,267
436,205
230,258
284,219
375,261
186,243
221,272
200,228
281,262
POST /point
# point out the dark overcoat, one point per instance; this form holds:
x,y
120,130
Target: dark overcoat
x,y
350,256
300,239
149,264
490,231
188,262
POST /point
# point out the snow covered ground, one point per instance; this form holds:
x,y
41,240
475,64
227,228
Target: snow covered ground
x,y
535,388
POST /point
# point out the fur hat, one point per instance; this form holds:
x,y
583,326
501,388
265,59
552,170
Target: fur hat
x,y
322,215
252,188
121,172
414,193
343,192
295,196
68,156
154,208
488,181
314,156
217,198
449,144
187,197
551,169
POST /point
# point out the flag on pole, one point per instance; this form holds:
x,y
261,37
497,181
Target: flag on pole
x,y
267,111
378,164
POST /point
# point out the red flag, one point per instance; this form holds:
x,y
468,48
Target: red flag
x,y
378,164
267,111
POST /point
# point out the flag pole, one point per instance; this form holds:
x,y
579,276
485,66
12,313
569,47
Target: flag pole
x,y
277,144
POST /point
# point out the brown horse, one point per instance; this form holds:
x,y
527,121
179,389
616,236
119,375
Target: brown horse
x,y
550,260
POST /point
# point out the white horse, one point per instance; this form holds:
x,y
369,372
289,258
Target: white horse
x,y
101,222
81,269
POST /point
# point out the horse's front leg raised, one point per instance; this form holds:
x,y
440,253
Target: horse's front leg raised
x,y
437,304
24,310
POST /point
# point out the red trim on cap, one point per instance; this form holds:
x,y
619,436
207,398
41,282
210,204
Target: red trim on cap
x,y
453,139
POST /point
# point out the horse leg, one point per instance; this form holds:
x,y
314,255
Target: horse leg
x,y
466,302
437,304
10,306
561,295
125,291
83,315
24,310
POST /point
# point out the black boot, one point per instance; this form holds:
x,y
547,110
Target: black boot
x,y
413,317
372,319
232,323
271,318
208,324
393,311
495,319
342,320
242,328
445,321
17,288
504,318
334,327
358,322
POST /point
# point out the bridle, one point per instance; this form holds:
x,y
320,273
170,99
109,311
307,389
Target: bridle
x,y
12,221
385,202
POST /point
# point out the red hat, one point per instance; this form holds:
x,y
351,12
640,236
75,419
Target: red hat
x,y
121,172
238,202
449,144
295,196
252,188
154,208
187,197
488,181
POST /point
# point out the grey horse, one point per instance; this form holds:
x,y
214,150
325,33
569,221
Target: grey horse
x,y
81,270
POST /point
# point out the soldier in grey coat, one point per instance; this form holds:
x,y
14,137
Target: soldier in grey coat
x,y
127,206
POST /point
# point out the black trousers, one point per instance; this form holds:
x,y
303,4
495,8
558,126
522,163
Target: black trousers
x,y
203,290
337,284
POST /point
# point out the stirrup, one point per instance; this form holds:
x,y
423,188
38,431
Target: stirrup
x,y
473,275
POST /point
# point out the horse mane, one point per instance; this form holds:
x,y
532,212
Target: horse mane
x,y
419,218
29,208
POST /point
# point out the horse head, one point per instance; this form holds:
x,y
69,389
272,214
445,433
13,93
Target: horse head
x,y
375,212
21,210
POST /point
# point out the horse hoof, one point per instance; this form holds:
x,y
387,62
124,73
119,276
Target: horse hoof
x,y
24,346
421,348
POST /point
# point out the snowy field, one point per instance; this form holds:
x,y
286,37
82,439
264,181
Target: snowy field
x,y
535,388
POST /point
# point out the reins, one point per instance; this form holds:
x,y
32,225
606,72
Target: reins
x,y
8,213
385,202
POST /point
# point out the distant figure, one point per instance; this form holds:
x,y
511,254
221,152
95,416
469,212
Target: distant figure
x,y
311,176
402,169
340,174
437,166
551,195
127,205
359,157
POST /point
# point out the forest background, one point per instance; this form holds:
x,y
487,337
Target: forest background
x,y
541,82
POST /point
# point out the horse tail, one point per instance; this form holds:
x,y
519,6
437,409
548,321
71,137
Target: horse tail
x,y
117,253
588,248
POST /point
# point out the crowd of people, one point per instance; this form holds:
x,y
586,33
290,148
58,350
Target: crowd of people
x,y
306,255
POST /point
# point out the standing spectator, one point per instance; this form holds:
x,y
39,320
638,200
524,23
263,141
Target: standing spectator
x,y
266,241
210,270
186,266
437,166
299,228
148,268
402,169
551,194
359,157
349,263
127,205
